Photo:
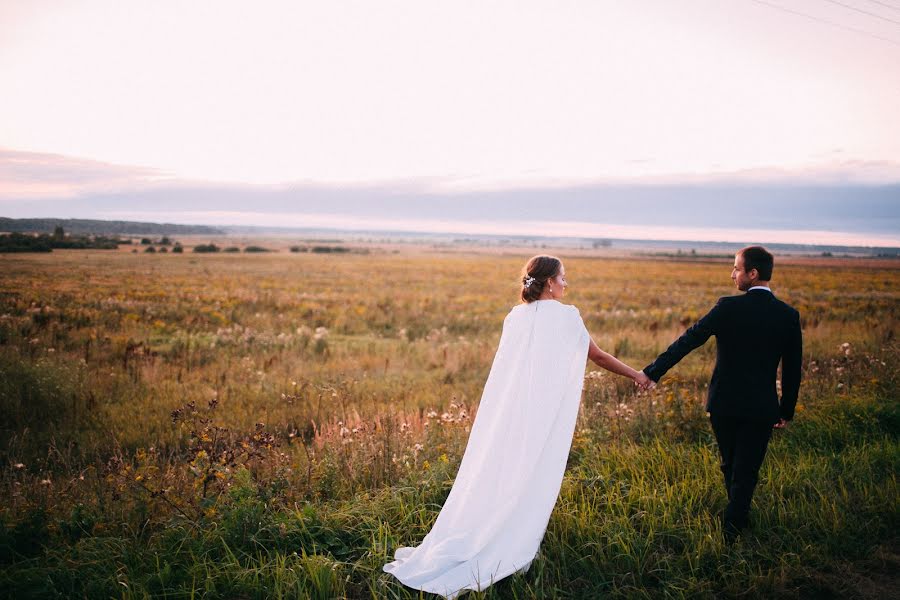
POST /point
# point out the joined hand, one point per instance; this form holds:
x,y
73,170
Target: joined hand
x,y
643,381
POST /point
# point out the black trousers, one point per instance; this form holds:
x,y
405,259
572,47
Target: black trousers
x,y
742,444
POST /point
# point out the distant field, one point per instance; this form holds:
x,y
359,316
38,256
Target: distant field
x,y
274,425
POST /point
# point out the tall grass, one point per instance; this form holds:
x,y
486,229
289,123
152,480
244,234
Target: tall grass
x,y
259,426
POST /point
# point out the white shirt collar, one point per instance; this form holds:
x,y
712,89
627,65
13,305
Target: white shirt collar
x,y
759,287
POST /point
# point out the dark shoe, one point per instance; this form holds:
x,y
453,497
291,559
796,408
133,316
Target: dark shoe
x,y
730,532
731,535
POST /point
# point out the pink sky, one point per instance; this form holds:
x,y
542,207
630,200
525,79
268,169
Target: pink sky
x,y
487,93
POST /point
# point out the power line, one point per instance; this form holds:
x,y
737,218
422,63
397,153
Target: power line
x,y
890,6
827,22
865,12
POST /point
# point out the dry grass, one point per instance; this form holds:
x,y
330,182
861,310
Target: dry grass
x,y
322,404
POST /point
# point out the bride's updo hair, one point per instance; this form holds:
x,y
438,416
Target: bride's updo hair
x,y
541,268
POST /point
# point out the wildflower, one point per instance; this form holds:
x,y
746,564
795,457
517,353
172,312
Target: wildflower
x,y
45,482
418,447
19,466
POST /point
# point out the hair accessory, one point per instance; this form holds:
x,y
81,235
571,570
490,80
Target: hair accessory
x,y
528,280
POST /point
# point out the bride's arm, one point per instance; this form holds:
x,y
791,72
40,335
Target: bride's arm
x,y
611,363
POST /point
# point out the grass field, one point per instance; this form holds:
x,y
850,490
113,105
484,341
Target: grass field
x,y
275,425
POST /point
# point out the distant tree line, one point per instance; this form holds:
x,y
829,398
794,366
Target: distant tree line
x,y
99,227
26,242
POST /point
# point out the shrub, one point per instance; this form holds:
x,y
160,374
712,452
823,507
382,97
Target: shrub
x,y
21,242
206,248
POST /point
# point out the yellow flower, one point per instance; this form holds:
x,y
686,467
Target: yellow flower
x,y
426,465
443,458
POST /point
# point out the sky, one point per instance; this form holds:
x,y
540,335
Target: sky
x,y
127,100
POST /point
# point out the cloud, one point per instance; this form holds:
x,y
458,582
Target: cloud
x,y
847,197
36,175
31,175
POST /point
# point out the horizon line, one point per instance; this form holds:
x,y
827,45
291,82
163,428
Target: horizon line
x,y
561,230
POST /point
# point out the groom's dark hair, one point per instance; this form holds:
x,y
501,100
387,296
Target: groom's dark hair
x,y
757,257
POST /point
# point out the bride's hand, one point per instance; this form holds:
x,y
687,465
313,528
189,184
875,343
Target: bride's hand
x,y
643,381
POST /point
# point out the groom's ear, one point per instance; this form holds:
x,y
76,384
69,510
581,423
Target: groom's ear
x,y
753,274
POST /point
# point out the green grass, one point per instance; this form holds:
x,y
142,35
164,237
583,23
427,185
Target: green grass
x,y
635,519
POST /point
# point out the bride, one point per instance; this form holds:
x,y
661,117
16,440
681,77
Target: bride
x,y
495,516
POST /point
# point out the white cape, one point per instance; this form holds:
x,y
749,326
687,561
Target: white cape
x,y
509,479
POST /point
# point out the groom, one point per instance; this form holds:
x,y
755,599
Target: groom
x,y
754,332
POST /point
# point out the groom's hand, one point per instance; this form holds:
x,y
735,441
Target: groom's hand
x,y
781,424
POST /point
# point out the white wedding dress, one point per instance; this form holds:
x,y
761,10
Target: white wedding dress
x,y
509,479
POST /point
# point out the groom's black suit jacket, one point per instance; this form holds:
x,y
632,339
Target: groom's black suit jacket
x,y
754,331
